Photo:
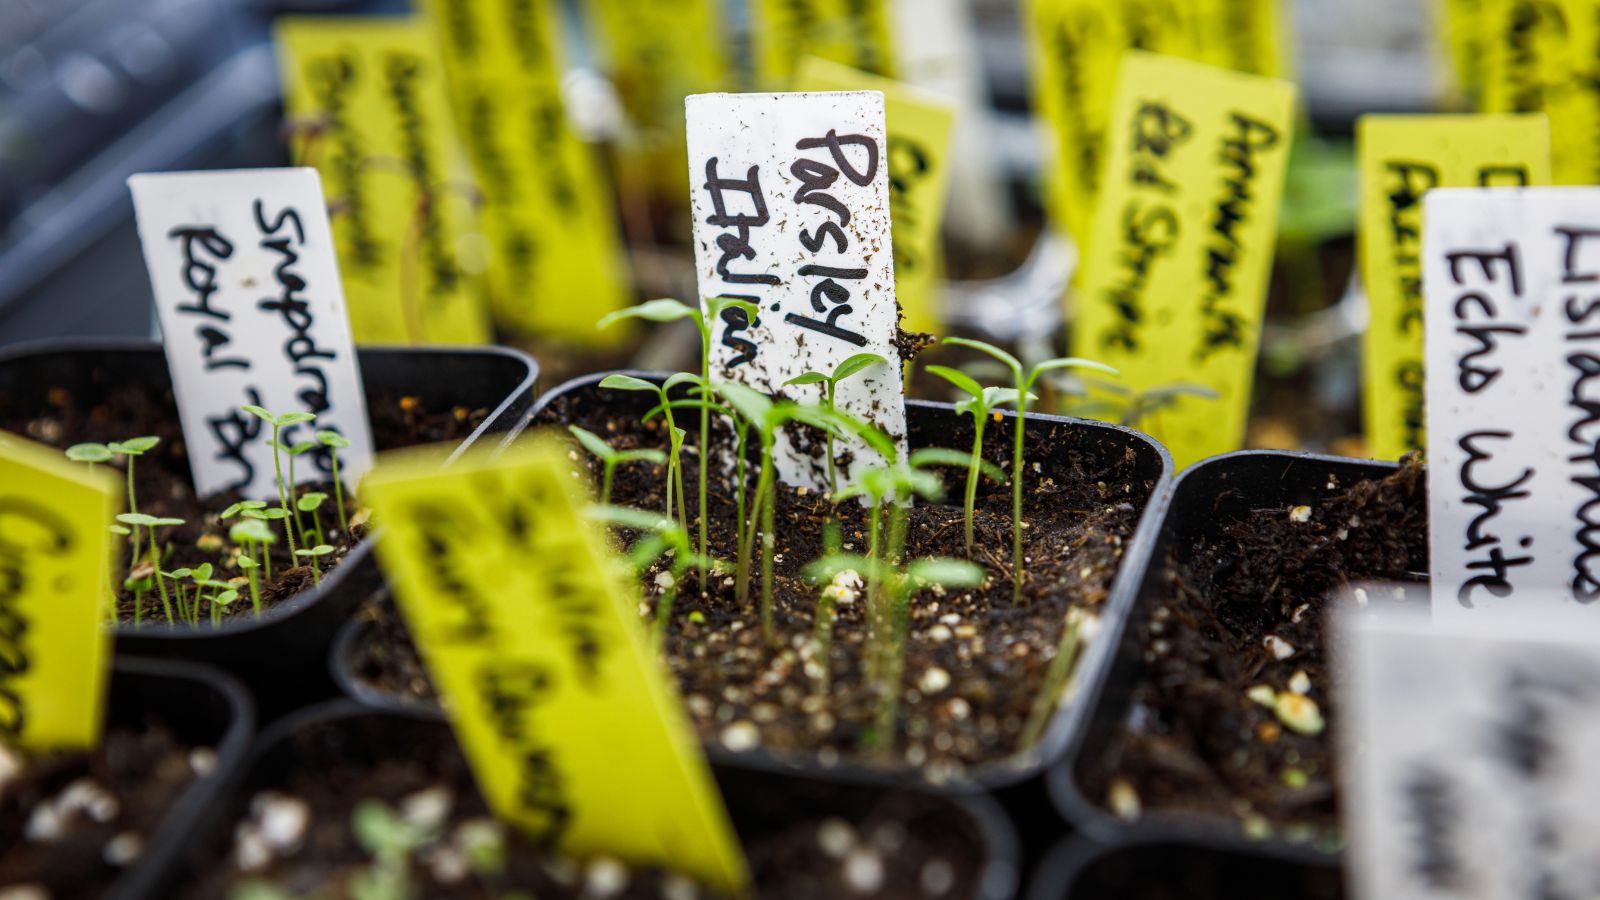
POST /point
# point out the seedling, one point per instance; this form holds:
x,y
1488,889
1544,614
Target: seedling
x,y
1023,381
130,448
335,442
675,434
279,423
844,370
664,538
610,459
900,584
1055,681
311,502
980,403
251,532
669,310
313,554
89,453
150,524
768,417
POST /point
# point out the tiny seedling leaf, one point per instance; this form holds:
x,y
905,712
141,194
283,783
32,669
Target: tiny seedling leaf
x,y
856,363
259,413
662,310
958,378
626,383
310,501
678,378
302,448
90,453
118,529
293,418
946,572
592,442
332,439
1071,362
807,378
1011,362
748,402
166,520
246,562
136,519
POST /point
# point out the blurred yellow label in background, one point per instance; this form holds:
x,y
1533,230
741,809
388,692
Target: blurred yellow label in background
x,y
1246,36
571,723
854,33
55,572
657,52
1544,56
366,97
1462,24
555,263
1400,158
917,152
1174,282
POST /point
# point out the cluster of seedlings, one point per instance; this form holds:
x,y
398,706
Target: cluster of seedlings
x,y
190,594
884,576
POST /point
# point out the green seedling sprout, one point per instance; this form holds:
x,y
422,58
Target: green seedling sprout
x,y
313,554
150,524
254,538
664,538
311,502
674,460
335,442
705,401
610,459
669,310
391,839
844,370
768,417
91,454
980,403
297,450
279,423
1023,380
901,584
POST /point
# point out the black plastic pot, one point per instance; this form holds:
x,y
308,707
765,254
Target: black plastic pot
x,y
1017,779
203,707
1156,870
1206,499
757,802
282,654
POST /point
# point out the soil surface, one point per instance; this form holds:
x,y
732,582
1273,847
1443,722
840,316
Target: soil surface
x,y
163,487
1224,718
975,661
71,823
299,837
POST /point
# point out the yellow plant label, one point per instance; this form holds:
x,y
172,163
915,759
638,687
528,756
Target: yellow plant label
x,y
55,558
366,97
1175,279
1077,47
569,721
657,52
1245,35
1462,23
855,33
1541,57
918,157
1401,158
556,265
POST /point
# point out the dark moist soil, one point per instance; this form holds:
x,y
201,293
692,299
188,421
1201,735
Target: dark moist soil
x,y
975,662
1193,742
71,823
917,846
164,487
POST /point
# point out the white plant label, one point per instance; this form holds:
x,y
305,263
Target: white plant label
x,y
252,313
1511,283
1473,761
790,195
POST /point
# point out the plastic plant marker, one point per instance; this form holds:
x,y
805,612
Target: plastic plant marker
x,y
1539,57
918,158
1512,355
1077,47
368,98
791,212
656,54
555,263
1250,36
1174,283
1472,758
854,33
1401,159
572,727
55,573
248,293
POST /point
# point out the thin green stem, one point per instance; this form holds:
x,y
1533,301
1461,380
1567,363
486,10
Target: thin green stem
x,y
833,478
608,468
1054,682
768,540
1016,495
283,498
970,506
155,563
338,494
705,443
255,592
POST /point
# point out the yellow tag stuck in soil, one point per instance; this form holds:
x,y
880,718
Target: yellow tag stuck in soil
x,y
55,559
1400,159
1175,279
919,124
852,32
556,265
570,722
1541,57
366,102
